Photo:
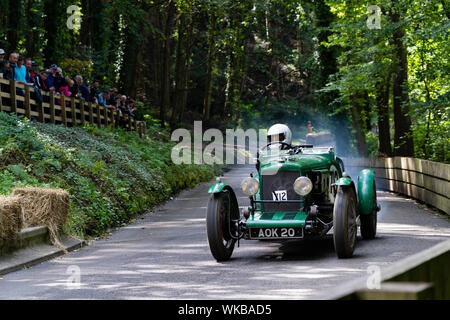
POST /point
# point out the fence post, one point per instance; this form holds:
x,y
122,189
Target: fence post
x,y
12,85
52,107
130,123
41,109
138,129
91,113
27,102
106,116
99,120
63,109
74,111
83,119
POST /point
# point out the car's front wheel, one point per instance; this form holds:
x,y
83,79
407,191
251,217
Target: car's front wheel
x,y
218,226
344,223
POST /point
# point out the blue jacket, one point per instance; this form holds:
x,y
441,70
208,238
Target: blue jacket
x,y
50,82
102,100
84,90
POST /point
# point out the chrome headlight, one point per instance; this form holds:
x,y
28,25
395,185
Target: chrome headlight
x,y
250,186
303,186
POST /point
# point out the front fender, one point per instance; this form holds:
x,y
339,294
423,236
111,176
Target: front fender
x,y
221,187
345,181
217,188
366,192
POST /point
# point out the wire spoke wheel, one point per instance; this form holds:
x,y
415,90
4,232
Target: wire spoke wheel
x,y
218,225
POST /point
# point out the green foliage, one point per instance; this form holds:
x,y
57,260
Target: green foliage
x,y
73,67
228,62
110,174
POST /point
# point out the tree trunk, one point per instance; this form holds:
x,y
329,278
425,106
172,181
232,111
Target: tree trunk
x,y
189,46
210,66
165,79
357,107
384,135
13,23
403,138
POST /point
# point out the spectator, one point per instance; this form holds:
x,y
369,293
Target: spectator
x,y
51,77
30,75
41,80
131,108
20,71
13,57
71,85
122,104
30,78
94,91
2,62
103,99
82,89
59,81
112,97
9,73
63,89
73,88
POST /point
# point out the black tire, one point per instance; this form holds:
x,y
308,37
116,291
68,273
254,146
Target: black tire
x,y
344,223
369,222
218,229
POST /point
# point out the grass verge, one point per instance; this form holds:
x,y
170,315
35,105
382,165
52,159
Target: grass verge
x,y
111,175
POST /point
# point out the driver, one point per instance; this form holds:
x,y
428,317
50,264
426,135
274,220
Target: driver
x,y
279,133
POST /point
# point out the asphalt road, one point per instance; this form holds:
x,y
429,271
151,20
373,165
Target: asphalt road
x,y
165,255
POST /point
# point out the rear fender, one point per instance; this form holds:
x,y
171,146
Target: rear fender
x,y
366,200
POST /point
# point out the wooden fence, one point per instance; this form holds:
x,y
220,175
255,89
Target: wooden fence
x,y
420,179
58,109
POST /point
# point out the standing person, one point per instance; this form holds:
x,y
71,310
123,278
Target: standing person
x,y
122,104
13,57
2,62
131,108
30,78
41,80
51,77
20,71
30,74
9,74
83,90
63,88
94,91
59,80
103,99
112,97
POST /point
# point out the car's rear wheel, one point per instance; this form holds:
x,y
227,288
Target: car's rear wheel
x,y
344,223
369,221
218,226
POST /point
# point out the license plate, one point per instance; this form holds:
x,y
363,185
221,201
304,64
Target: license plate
x,y
276,233
280,195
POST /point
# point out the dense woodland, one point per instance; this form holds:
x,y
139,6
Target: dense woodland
x,y
249,63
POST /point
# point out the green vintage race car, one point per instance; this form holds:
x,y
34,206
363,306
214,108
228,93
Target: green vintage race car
x,y
299,192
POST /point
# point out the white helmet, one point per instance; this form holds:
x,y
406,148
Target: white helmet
x,y
279,133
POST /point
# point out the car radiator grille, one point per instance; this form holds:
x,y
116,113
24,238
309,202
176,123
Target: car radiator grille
x,y
282,181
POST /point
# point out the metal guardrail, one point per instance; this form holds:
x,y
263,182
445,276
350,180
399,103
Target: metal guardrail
x,y
423,180
58,108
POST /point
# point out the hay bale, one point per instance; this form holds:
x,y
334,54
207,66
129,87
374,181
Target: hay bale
x,y
44,207
11,220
